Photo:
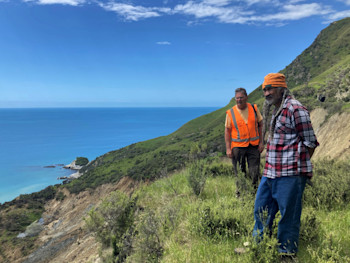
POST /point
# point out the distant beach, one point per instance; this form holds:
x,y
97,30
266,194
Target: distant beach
x,y
35,143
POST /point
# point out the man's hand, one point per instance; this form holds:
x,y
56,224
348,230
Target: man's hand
x,y
261,147
229,153
228,142
311,151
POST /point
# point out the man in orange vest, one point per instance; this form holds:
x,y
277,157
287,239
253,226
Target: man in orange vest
x,y
243,139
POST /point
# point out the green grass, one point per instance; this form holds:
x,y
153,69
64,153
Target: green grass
x,y
321,68
146,160
208,227
337,224
329,47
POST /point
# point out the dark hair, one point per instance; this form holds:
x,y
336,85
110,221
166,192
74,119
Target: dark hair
x,y
241,90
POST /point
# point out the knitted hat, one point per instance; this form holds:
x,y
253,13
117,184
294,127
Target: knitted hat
x,y
274,80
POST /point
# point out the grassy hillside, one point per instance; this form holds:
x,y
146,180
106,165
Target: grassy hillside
x,y
147,160
330,47
169,221
323,68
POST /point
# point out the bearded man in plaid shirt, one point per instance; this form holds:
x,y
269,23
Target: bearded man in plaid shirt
x,y
290,145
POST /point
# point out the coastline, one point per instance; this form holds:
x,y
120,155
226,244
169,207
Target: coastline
x,y
35,138
74,167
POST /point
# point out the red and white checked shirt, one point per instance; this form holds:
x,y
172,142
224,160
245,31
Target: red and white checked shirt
x,y
286,152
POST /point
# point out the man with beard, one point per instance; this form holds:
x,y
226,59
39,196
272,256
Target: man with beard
x,y
291,143
243,127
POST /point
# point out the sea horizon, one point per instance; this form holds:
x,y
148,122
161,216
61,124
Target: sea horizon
x,y
34,138
108,107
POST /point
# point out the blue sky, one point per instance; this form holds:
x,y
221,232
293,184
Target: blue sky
x,y
127,53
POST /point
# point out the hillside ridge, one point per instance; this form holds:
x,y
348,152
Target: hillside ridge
x,y
320,68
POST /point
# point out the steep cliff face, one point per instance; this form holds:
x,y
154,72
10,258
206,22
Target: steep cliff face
x,y
334,135
65,238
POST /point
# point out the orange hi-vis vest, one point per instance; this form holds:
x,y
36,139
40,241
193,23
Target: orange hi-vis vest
x,y
242,133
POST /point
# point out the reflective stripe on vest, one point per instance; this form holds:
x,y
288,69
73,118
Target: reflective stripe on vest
x,y
236,126
256,121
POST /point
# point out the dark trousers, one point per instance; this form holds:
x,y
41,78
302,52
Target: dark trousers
x,y
250,155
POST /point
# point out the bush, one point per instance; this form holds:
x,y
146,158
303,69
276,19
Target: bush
x,y
244,185
60,196
216,225
330,185
112,221
148,242
264,251
310,226
81,161
198,173
329,251
221,169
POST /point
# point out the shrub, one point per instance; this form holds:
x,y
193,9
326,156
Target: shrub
x,y
265,250
198,151
330,185
216,225
310,226
81,161
148,243
245,185
328,251
60,196
221,169
112,221
198,173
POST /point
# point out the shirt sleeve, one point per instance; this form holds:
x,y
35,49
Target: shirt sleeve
x,y
260,118
227,122
304,128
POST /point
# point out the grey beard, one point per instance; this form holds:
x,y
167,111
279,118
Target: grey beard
x,y
267,125
269,102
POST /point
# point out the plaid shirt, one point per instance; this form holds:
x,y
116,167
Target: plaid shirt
x,y
287,153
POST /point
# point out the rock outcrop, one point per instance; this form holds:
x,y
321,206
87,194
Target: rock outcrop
x,y
333,135
64,237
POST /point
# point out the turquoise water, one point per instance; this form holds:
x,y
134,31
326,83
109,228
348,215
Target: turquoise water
x,y
31,139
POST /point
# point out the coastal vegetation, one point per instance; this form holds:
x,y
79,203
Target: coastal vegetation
x,y
81,161
169,220
16,215
186,209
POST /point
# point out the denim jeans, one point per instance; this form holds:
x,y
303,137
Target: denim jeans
x,y
283,194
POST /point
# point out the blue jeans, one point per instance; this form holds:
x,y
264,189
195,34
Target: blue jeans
x,y
283,194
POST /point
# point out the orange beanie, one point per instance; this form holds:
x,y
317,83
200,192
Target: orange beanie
x,y
274,80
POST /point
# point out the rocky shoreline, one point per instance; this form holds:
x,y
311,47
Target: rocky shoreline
x,y
72,166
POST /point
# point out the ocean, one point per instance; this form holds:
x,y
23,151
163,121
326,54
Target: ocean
x,y
32,139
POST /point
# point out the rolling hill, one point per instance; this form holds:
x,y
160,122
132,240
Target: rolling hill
x,y
322,69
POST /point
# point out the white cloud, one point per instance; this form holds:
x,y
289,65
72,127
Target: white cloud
x,y
163,43
338,15
271,2
269,12
294,12
216,2
134,13
202,10
347,2
242,15
199,10
60,2
295,1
